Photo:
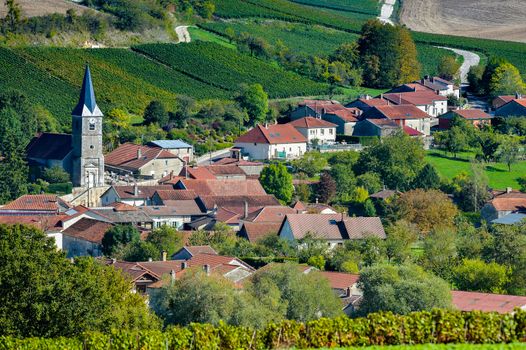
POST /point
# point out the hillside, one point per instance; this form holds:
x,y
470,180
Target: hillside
x,y
502,20
31,8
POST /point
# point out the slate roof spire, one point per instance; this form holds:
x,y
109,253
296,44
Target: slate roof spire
x,y
87,105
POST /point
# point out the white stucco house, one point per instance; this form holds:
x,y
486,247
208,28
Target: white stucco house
x,y
278,141
316,129
427,101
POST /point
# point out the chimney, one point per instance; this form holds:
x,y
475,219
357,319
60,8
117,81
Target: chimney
x,y
113,261
342,217
245,210
316,200
509,189
135,190
266,125
139,153
184,265
164,254
206,268
171,175
518,95
172,277
150,259
348,292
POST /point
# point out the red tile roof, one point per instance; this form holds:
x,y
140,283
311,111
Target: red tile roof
x,y
255,231
299,206
271,213
513,201
372,102
126,156
397,112
348,114
311,122
228,169
119,206
88,230
249,187
340,280
198,173
469,301
175,195
273,134
36,202
42,222
200,249
227,216
237,162
502,100
472,114
235,203
417,98
411,132
128,192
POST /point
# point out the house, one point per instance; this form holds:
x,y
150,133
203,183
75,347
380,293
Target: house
x,y
252,169
84,238
403,115
278,141
174,215
270,213
256,231
345,286
376,127
79,154
140,276
35,205
427,101
187,252
133,195
335,229
146,162
249,187
344,119
477,117
314,108
510,219
471,301
177,147
514,108
364,103
441,86
500,101
503,204
384,195
126,214
316,130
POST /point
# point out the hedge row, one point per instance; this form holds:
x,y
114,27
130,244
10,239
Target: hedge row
x,y
437,326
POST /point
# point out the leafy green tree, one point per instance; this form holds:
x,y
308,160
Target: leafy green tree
x,y
479,276
488,143
138,251
254,100
14,14
14,174
401,290
305,296
155,113
506,80
509,151
318,261
166,238
117,237
473,192
344,260
440,252
326,188
276,180
302,191
311,163
55,175
45,295
370,181
345,181
401,235
455,141
397,160
369,208
475,79
427,178
448,67
348,53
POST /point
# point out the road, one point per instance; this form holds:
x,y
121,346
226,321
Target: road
x,y
183,34
387,11
470,59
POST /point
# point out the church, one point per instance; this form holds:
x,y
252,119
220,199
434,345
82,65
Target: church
x,y
79,154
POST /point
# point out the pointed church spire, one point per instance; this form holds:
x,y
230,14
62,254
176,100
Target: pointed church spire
x,y
87,97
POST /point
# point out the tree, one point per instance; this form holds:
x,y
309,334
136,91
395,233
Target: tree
x,y
45,295
254,100
475,79
305,296
369,208
479,276
426,209
455,141
401,235
311,163
488,143
14,174
14,14
427,178
117,237
166,238
440,252
347,53
401,289
343,175
388,55
318,261
509,150
326,188
448,67
155,113
276,180
370,181
473,192
139,251
397,160
55,175
506,80
302,191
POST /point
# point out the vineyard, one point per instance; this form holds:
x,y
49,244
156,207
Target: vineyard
x,y
369,7
227,69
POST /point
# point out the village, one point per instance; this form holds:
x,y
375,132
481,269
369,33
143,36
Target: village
x,y
160,185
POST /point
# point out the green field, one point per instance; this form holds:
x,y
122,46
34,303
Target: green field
x,y
227,69
498,174
205,35
370,7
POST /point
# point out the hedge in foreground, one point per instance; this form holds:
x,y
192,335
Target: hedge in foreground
x,y
437,326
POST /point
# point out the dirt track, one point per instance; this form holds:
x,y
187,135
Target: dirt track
x,y
492,19
32,8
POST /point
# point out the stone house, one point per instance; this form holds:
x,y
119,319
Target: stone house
x,y
316,130
403,115
477,117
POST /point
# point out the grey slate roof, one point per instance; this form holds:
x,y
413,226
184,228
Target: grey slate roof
x,y
87,96
49,146
510,219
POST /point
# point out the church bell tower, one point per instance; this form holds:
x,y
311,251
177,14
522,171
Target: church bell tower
x,y
88,160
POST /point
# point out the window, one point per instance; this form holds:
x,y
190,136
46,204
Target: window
x,y
322,131
331,131
92,126
165,162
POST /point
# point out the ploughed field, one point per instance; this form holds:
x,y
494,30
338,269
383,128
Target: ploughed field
x,y
501,20
32,8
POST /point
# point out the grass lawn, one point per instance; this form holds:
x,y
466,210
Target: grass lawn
x,y
203,35
498,174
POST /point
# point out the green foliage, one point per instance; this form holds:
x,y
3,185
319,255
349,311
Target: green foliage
x,y
401,290
448,68
138,251
401,235
370,181
155,113
166,238
227,69
509,151
427,178
318,261
311,163
55,175
254,101
118,236
479,276
505,80
440,252
45,295
326,189
276,180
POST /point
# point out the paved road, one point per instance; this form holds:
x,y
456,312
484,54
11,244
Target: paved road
x,y
470,59
387,11
183,34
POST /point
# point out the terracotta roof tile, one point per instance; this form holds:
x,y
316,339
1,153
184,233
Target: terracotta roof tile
x,y
310,122
228,169
410,131
417,98
273,134
249,187
472,114
42,222
502,100
126,156
174,195
469,301
36,202
255,231
513,201
198,173
396,112
254,201
128,192
340,280
271,213
88,229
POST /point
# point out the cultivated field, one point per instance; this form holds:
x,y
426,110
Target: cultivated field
x,y
32,8
502,19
